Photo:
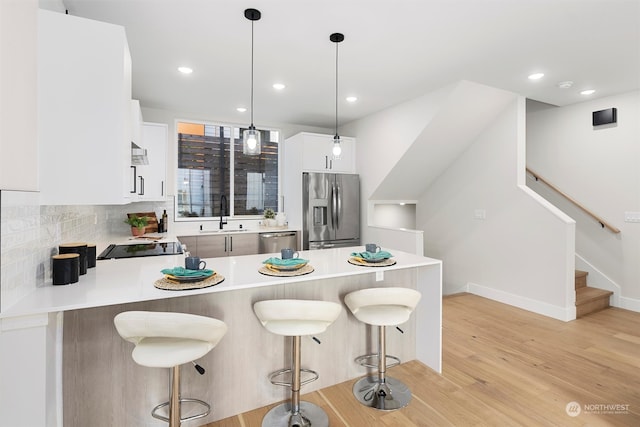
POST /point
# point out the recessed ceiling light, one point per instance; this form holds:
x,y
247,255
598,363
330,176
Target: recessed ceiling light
x,y
587,92
241,109
278,86
565,85
352,98
536,76
185,70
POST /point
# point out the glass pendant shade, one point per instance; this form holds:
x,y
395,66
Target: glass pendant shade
x,y
251,142
337,149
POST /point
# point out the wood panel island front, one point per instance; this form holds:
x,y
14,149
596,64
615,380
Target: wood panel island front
x,y
82,372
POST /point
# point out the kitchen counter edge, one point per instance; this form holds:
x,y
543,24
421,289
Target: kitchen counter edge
x,y
132,280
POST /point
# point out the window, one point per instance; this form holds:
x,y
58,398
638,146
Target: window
x,y
211,163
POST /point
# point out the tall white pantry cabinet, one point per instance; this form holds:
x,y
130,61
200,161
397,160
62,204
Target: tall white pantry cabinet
x,y
84,111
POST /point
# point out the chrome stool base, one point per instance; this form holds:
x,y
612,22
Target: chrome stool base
x,y
385,396
310,415
205,405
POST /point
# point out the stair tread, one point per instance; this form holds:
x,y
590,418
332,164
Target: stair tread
x,y
580,273
587,294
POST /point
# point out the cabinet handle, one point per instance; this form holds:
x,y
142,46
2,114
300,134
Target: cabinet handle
x,y
230,243
331,164
141,193
135,180
225,243
326,162
162,188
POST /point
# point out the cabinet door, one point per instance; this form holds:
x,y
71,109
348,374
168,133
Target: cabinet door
x,y
317,154
212,246
242,244
18,103
84,111
154,139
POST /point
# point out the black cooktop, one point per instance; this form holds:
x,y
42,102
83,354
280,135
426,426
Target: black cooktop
x,y
141,250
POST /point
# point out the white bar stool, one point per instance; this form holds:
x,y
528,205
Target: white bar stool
x,y
382,307
295,318
168,340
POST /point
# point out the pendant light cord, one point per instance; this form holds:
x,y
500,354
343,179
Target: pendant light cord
x,y
336,89
251,73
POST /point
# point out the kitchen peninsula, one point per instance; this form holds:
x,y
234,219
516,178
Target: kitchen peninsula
x,y
100,381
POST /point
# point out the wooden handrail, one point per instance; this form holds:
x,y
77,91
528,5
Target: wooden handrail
x,y
602,222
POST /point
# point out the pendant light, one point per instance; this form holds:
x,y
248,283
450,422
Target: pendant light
x,y
337,149
251,137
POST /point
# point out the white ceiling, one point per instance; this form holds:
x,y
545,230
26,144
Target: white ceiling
x,y
394,50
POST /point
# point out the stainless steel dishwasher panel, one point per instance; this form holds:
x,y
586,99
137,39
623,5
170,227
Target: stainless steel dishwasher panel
x,y
273,242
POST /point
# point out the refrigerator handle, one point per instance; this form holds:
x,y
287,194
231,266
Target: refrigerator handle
x,y
338,205
334,203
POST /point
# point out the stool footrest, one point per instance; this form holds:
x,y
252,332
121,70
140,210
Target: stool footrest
x,y
206,411
364,361
273,377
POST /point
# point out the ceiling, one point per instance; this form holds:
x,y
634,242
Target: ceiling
x,y
394,50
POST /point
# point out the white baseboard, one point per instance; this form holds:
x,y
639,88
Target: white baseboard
x,y
447,290
630,304
561,313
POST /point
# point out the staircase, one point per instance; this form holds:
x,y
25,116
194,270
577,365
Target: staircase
x,y
589,300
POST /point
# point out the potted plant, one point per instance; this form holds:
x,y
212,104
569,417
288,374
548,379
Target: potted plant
x,y
269,217
137,223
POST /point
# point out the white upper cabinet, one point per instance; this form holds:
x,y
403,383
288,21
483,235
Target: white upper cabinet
x,y
18,103
316,150
84,111
154,175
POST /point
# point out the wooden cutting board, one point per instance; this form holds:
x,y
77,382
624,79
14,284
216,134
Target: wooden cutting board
x,y
152,227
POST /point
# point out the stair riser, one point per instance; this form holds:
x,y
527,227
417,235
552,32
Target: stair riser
x,y
581,281
592,306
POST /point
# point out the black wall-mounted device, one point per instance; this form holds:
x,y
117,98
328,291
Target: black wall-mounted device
x,y
604,117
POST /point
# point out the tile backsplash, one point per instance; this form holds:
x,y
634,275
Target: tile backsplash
x,y
30,235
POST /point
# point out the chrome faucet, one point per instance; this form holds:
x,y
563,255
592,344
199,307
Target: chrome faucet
x,y
223,206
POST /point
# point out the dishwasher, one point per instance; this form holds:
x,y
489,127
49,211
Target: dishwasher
x,y
273,242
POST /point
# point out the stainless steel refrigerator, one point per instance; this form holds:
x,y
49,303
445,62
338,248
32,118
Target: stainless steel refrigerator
x,y
330,210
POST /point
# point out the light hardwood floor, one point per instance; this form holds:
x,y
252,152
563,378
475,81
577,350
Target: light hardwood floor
x,y
503,366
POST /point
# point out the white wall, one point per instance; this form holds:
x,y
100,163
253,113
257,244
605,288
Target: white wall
x,y
522,251
600,168
394,215
382,140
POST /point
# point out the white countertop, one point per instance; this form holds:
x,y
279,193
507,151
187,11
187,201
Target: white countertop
x,y
131,280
